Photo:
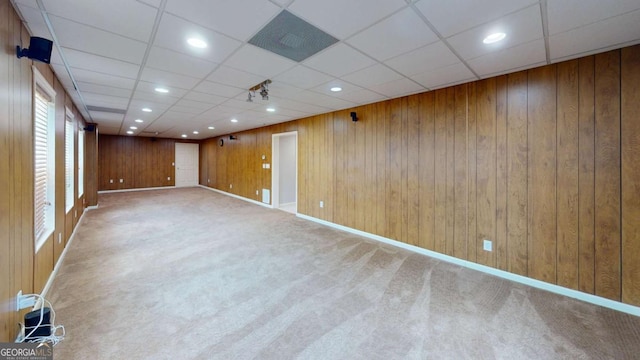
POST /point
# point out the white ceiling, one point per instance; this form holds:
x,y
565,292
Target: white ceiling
x,y
119,51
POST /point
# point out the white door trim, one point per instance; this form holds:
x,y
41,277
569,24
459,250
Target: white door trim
x,y
275,168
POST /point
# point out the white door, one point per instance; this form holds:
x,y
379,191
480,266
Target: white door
x,y
186,164
284,171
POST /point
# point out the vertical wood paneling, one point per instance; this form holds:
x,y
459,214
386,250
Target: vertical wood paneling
x,y
486,169
517,174
586,177
542,173
427,172
607,175
440,170
472,228
393,176
500,243
460,180
340,198
404,170
7,256
568,153
369,122
381,147
630,74
449,161
413,168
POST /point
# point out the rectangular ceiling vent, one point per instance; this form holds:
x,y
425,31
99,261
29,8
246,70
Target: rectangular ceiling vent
x,y
289,36
106,109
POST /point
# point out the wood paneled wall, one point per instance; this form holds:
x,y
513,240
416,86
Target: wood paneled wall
x,y
140,162
20,267
542,162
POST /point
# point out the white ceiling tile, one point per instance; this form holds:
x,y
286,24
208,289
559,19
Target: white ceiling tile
x,y
241,103
154,98
194,104
186,110
339,60
173,33
509,59
346,88
237,78
123,17
114,102
373,75
209,87
299,106
426,58
364,96
110,119
239,19
302,77
179,63
154,3
136,106
436,78
203,97
95,41
168,78
520,27
599,36
109,130
103,90
398,88
402,32
149,87
105,65
258,61
344,18
87,76
315,98
584,12
454,16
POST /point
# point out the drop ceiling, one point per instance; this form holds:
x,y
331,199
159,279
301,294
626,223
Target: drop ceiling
x,y
117,52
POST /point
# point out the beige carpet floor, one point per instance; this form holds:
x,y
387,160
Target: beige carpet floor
x,y
192,274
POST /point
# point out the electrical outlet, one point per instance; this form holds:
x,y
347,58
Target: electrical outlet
x,y
18,299
110,181
487,245
208,181
121,181
230,186
321,203
168,178
23,302
257,192
59,238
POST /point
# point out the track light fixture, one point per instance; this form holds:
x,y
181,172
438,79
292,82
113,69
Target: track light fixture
x,y
263,87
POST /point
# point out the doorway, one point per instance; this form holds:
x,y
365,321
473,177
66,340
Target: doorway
x,y
186,165
284,171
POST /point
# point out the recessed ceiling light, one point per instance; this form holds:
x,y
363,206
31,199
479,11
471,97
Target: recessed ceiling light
x,y
234,120
133,127
146,110
271,109
162,90
184,135
197,43
211,128
195,132
130,132
139,120
495,37
336,89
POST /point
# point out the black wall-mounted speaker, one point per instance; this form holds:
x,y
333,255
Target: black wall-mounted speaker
x,y
90,127
354,116
39,50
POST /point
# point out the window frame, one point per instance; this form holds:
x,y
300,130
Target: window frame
x,y
42,86
69,160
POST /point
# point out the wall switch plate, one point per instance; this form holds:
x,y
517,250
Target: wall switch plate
x,y
121,181
267,166
110,181
257,192
59,238
168,178
487,245
321,204
230,186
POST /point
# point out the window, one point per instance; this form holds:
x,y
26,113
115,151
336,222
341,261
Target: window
x,y
80,163
44,160
69,167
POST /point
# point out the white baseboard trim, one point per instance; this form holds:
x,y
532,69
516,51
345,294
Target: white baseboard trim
x,y
592,299
56,267
137,189
237,197
93,207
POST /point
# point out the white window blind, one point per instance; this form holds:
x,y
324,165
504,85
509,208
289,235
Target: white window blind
x,y
80,163
44,135
41,139
69,161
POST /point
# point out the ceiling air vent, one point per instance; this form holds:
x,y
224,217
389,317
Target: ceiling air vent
x,y
289,36
106,109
